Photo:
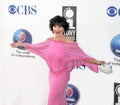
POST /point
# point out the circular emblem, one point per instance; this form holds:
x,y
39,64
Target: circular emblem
x,y
68,13
22,35
72,94
115,45
117,90
12,9
112,11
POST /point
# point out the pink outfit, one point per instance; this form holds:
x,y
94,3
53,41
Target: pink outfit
x,y
62,58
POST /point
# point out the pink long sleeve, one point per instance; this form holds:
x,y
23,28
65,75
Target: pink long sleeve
x,y
77,57
38,48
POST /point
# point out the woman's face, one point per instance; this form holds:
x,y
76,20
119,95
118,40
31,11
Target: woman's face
x,y
58,30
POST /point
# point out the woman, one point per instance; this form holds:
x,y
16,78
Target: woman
x,y
62,56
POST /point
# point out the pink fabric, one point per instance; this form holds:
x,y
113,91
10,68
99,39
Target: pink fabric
x,y
61,58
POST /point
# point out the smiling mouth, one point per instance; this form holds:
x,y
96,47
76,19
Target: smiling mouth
x,y
57,32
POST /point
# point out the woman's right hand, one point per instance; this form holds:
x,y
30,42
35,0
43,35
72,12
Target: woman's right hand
x,y
16,44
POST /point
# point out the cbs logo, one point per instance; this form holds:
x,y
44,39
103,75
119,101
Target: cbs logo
x,y
22,9
113,11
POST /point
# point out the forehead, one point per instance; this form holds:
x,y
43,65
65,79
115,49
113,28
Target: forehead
x,y
59,25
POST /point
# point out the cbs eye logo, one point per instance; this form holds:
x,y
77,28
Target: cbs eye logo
x,y
113,11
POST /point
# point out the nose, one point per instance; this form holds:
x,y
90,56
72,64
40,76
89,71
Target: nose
x,y
56,28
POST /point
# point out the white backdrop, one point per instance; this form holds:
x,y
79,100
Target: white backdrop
x,y
24,81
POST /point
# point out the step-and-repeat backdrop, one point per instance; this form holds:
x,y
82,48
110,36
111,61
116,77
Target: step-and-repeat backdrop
x,y
94,25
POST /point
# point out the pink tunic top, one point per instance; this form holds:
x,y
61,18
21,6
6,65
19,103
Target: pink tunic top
x,y
61,56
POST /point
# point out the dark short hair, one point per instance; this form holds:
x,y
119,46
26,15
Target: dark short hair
x,y
59,20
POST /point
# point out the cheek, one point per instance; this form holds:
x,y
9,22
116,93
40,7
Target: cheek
x,y
53,29
63,30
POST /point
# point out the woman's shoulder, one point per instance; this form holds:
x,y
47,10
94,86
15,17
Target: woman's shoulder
x,y
68,40
65,40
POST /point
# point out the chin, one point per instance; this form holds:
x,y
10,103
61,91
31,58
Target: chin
x,y
57,35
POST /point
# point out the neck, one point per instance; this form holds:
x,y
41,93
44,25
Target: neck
x,y
59,37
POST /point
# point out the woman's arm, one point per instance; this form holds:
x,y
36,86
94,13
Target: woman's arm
x,y
17,44
94,61
36,48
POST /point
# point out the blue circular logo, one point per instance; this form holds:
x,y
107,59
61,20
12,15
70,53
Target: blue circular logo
x,y
22,35
72,94
12,9
112,11
115,45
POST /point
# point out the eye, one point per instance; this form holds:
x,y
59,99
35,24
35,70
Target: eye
x,y
112,11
